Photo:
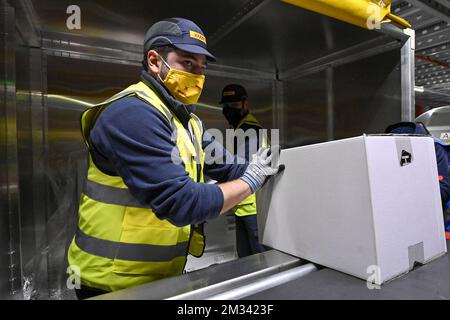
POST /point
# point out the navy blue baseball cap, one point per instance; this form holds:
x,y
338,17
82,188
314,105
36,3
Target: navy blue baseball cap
x,y
181,33
407,128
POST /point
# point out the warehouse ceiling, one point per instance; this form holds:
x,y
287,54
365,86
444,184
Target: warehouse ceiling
x,y
263,35
431,20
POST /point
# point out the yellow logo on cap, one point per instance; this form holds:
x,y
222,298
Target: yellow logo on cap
x,y
197,36
229,93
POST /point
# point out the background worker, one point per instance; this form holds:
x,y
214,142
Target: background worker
x,y
441,154
237,112
144,201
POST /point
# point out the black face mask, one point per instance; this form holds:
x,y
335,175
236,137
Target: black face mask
x,y
233,115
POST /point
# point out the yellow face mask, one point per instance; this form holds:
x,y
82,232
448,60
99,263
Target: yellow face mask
x,y
184,86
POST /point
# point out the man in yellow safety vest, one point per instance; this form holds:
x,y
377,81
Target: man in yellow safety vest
x,y
144,201
249,136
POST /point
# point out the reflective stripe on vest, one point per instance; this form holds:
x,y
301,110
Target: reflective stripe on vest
x,y
128,251
118,196
198,147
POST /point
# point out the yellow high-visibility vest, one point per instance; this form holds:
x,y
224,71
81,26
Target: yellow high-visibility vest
x,y
119,242
248,206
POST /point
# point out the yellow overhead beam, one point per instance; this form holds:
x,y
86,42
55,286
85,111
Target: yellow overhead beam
x,y
367,14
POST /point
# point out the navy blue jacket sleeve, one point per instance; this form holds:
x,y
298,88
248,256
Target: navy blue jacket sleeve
x,y
444,180
220,164
133,140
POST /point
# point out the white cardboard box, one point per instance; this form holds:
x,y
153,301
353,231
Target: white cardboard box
x,y
368,206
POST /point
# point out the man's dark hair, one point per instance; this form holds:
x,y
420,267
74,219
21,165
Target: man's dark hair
x,y
162,51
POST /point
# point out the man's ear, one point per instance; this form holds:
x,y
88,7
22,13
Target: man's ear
x,y
152,61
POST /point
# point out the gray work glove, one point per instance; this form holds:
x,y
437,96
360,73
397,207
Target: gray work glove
x,y
261,168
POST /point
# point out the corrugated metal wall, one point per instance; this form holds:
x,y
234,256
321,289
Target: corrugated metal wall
x,y
10,262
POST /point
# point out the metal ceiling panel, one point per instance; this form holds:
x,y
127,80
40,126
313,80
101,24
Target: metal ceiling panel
x,y
265,35
431,20
128,23
281,37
